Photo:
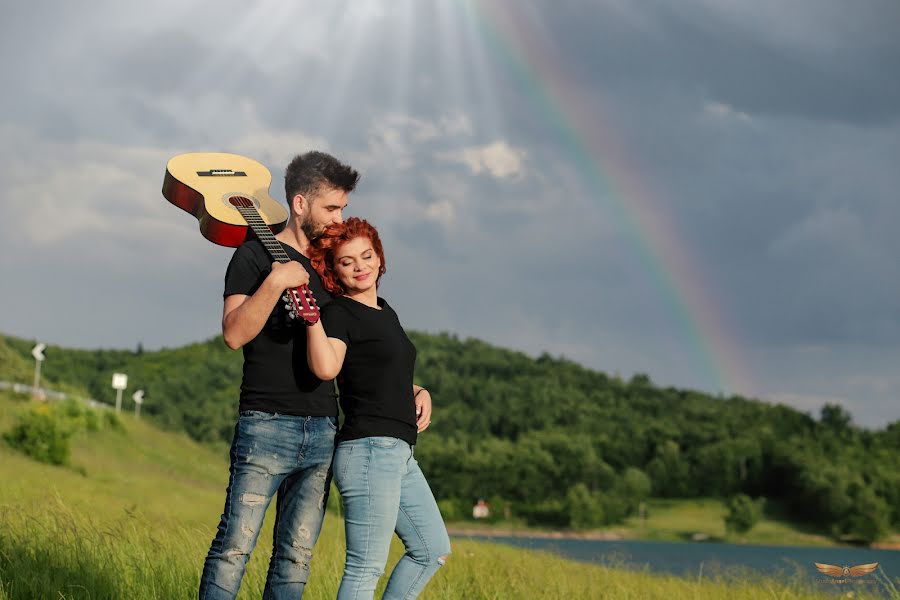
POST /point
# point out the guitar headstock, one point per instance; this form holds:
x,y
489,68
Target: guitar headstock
x,y
301,304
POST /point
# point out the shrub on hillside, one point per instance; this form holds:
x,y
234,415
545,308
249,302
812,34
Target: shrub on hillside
x,y
112,420
585,507
553,513
450,509
42,435
743,513
43,431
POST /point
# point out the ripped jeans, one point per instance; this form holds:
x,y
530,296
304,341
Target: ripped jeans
x,y
272,453
383,491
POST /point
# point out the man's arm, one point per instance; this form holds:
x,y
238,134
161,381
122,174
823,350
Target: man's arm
x,y
243,317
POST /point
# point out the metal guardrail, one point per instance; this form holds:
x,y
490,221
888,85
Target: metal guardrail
x,y
23,388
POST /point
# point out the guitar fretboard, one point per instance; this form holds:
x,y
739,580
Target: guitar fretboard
x,y
304,304
262,231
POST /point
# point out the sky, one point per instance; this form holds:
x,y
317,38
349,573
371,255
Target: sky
x,y
705,192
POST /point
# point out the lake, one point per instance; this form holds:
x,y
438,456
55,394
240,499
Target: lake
x,y
693,559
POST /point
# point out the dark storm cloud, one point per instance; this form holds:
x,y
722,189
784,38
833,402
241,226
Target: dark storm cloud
x,y
819,59
766,135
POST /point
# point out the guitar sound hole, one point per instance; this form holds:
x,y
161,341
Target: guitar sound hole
x,y
238,201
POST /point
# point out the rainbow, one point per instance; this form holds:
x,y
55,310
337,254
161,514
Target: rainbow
x,y
600,156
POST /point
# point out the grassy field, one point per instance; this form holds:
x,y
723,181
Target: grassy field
x,y
134,512
677,521
681,520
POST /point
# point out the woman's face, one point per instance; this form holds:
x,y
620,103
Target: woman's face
x,y
356,265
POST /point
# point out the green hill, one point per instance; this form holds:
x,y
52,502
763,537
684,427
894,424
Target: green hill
x,y
133,513
13,366
553,444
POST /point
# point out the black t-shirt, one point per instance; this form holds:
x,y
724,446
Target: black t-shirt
x,y
377,376
277,378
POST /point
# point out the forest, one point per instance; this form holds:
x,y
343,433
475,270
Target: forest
x,y
546,440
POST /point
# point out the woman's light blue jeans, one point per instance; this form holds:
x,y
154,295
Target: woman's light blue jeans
x,y
383,491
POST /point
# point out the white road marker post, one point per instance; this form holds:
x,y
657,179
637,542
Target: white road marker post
x,y
38,353
138,398
119,383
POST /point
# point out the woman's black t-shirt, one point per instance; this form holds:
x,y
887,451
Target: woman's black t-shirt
x,y
277,377
376,379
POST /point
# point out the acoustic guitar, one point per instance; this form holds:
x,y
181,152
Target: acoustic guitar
x,y
229,196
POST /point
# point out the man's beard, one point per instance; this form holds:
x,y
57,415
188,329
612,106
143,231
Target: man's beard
x,y
308,227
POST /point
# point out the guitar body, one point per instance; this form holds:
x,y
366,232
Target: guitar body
x,y
229,195
203,184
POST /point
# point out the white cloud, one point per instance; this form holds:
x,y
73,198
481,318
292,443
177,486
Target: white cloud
x,y
396,140
442,212
61,190
499,159
457,124
275,149
83,195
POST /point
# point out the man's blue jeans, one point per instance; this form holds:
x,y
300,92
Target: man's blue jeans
x,y
383,491
272,453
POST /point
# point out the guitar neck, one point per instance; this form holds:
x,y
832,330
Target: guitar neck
x,y
262,231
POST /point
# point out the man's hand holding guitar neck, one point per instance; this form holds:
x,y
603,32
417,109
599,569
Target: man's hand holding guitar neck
x,y
243,317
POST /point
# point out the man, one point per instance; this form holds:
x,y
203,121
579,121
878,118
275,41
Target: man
x,y
284,438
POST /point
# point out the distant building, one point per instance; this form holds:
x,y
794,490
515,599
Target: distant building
x,y
481,510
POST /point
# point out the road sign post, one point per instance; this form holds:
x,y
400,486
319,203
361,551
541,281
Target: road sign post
x,y
138,398
119,383
38,353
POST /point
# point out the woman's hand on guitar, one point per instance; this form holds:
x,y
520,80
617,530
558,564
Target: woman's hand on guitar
x,y
289,275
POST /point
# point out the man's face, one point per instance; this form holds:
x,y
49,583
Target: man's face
x,y
321,210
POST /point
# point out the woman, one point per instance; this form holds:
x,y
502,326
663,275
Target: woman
x,y
360,341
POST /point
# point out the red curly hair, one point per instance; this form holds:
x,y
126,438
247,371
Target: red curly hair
x,y
324,248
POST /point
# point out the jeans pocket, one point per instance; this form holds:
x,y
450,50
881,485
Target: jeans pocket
x,y
332,422
384,442
342,457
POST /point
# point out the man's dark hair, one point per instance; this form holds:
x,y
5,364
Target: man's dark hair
x,y
310,172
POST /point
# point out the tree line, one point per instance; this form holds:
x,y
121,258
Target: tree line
x,y
551,442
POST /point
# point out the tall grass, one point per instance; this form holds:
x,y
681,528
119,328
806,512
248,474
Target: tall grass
x,y
133,517
53,551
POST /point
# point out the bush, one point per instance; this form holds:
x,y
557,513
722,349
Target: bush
x,y
501,509
743,513
585,509
450,509
41,435
549,513
615,507
868,519
43,431
112,420
91,420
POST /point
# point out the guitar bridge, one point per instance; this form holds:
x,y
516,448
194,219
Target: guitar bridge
x,y
221,173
